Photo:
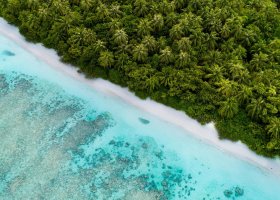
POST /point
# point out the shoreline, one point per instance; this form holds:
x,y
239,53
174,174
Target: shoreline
x,y
206,134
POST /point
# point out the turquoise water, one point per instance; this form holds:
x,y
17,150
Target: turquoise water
x,y
61,139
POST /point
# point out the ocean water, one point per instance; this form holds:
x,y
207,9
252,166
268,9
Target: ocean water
x,y
61,139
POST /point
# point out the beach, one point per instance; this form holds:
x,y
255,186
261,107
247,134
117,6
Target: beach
x,y
207,134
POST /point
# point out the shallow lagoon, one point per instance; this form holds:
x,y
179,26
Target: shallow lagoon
x,y
61,139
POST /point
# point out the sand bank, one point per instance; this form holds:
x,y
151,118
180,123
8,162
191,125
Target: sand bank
x,y
207,133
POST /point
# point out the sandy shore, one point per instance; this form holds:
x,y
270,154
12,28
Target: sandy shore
x,y
207,133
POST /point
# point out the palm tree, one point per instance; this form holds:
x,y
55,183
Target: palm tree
x,y
76,36
166,55
120,37
228,108
99,46
166,7
152,82
176,32
238,72
114,25
256,108
190,22
180,3
197,37
124,48
154,7
165,76
122,60
158,22
140,53
259,62
33,22
267,77
141,7
162,42
63,24
213,57
227,88
213,21
89,36
88,54
274,128
171,19
74,2
144,27
274,44
252,34
184,44
60,28
235,24
43,13
215,73
32,4
106,59
211,40
225,31
87,4
75,51
102,11
183,59
61,7
115,11
271,91
244,94
150,42
14,6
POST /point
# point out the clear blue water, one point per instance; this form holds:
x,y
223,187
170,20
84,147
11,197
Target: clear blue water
x,y
60,139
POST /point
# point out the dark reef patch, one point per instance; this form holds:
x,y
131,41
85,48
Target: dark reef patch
x,y
234,192
143,121
8,53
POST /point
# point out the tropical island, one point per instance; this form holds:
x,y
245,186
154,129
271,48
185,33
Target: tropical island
x,y
216,60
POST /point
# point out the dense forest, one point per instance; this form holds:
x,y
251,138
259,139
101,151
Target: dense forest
x,y
217,60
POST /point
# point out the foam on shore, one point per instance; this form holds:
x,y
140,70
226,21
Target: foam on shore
x,y
207,133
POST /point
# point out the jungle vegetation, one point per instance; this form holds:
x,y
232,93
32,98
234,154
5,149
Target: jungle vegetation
x,y
217,60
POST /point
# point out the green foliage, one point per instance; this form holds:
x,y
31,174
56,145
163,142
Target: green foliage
x,y
216,60
228,108
106,59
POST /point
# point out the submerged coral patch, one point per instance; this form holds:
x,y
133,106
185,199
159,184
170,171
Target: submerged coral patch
x,y
143,121
8,53
234,192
